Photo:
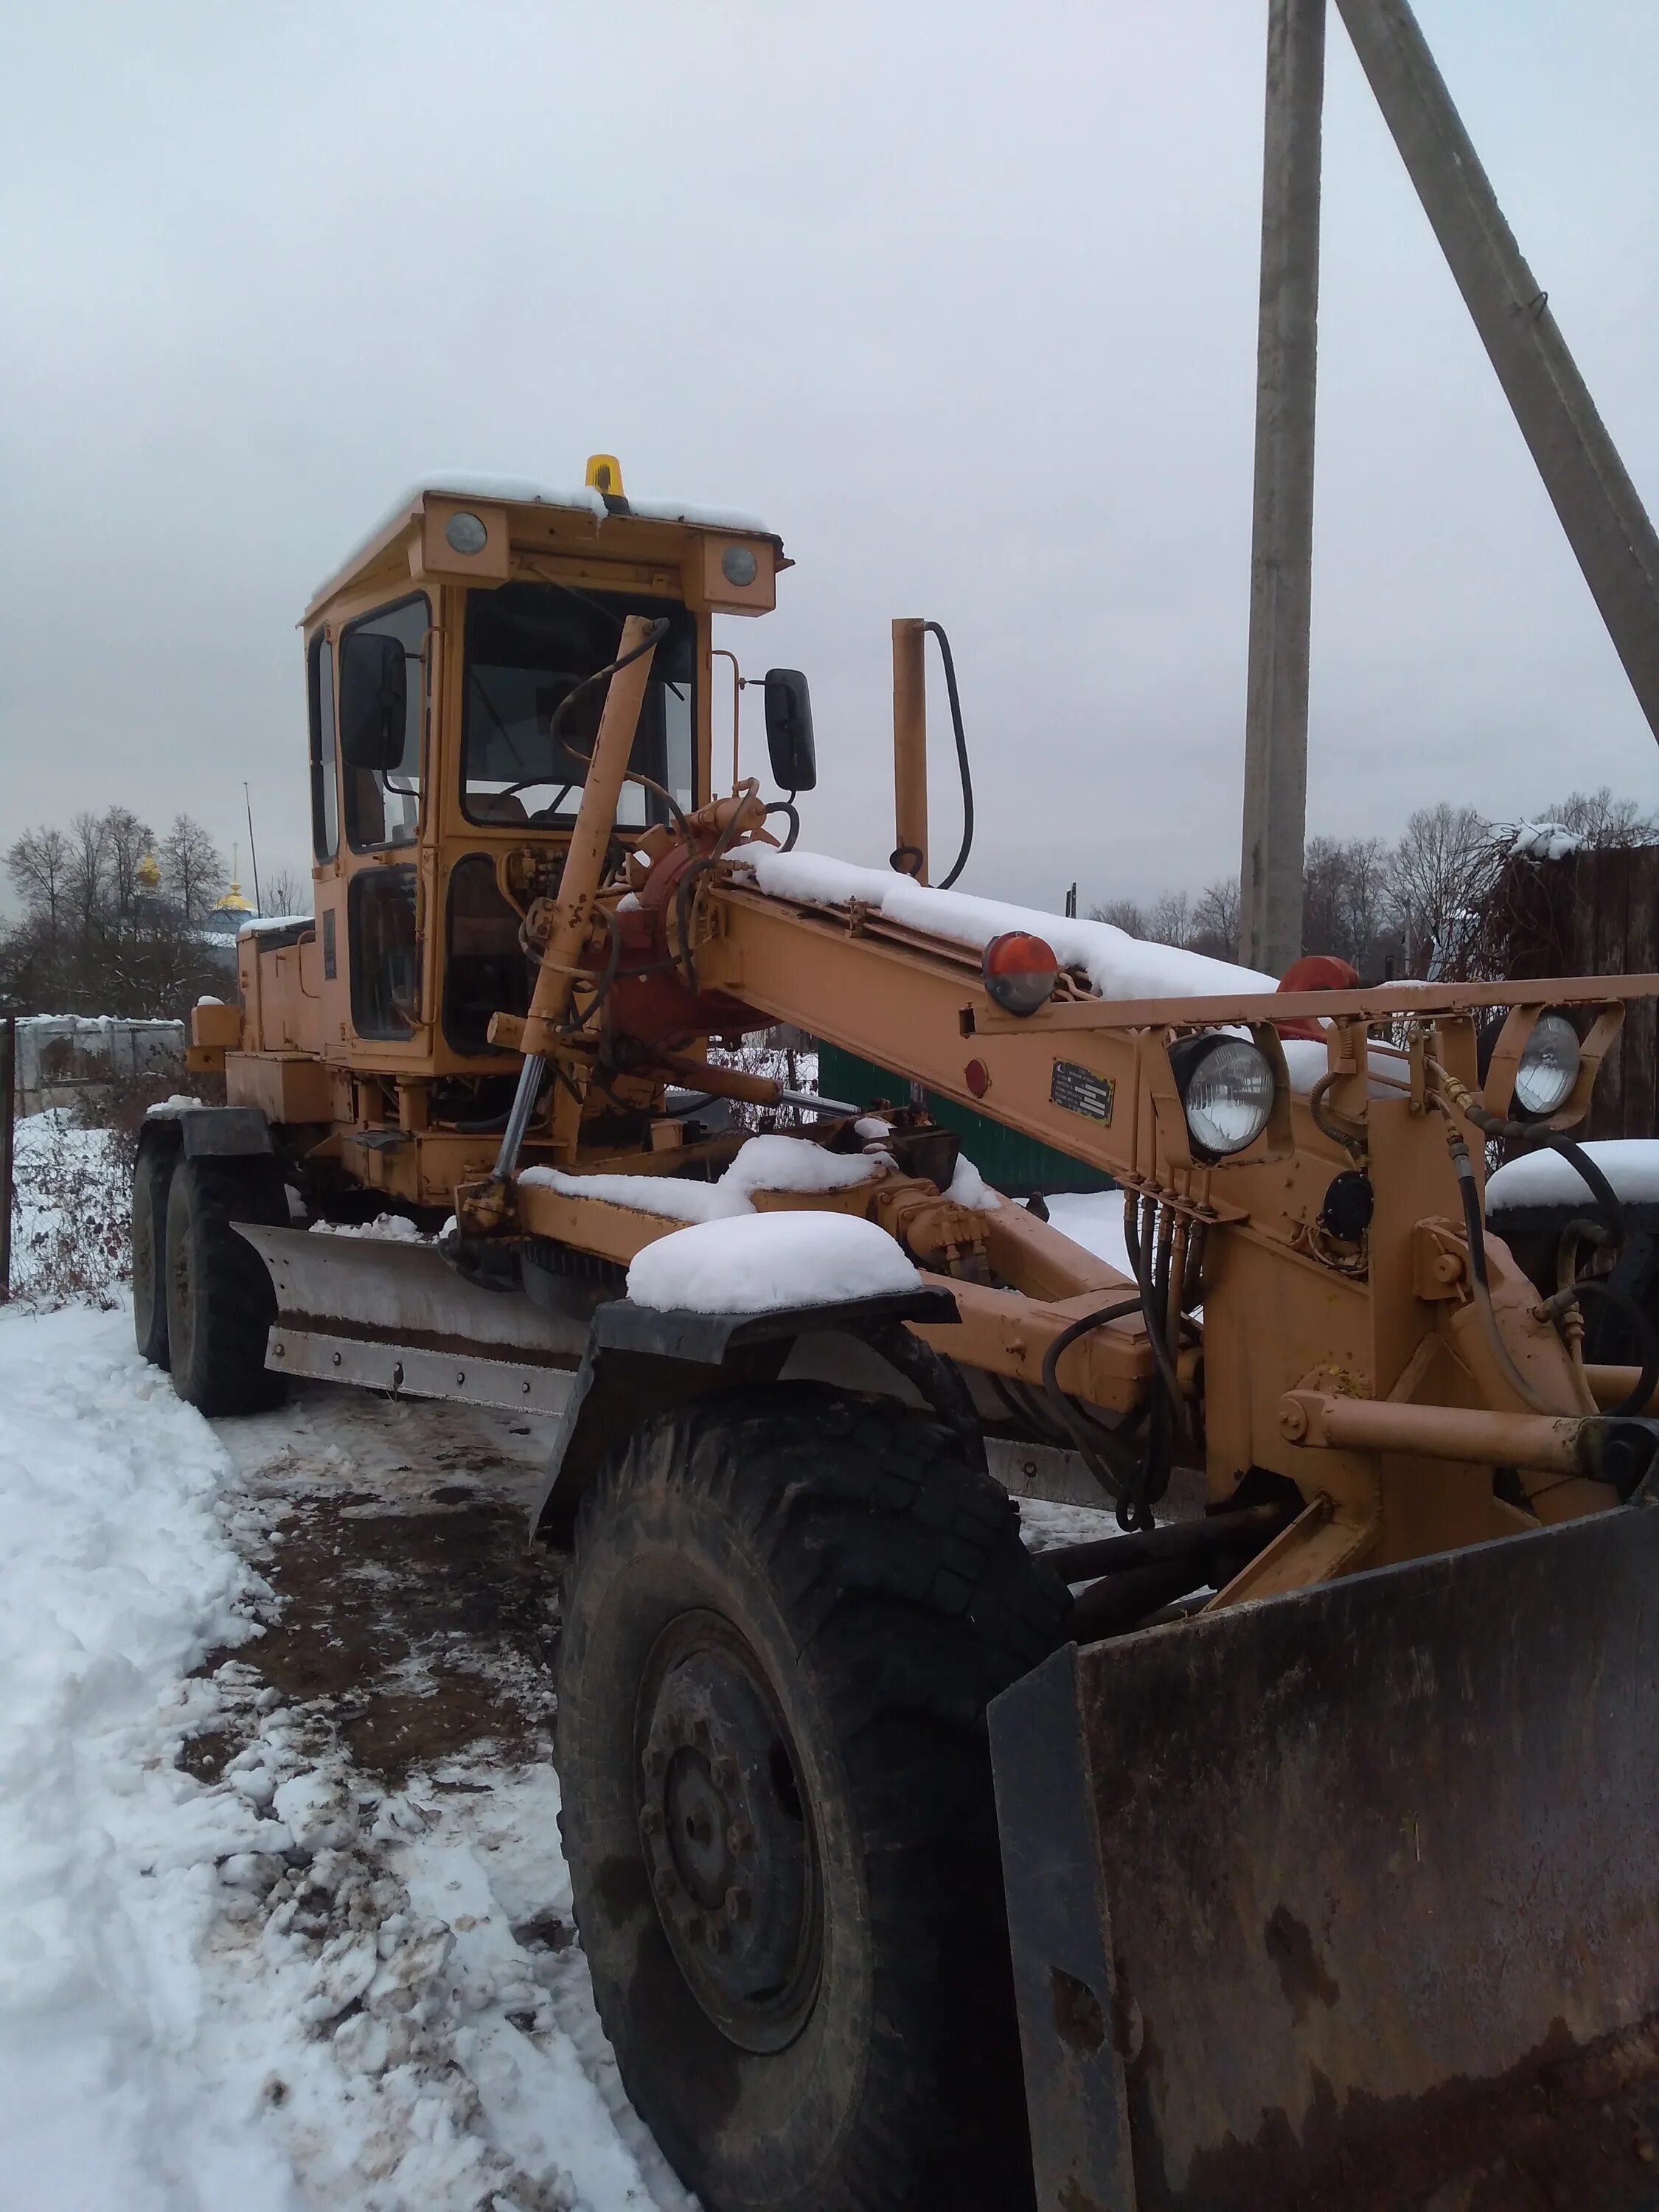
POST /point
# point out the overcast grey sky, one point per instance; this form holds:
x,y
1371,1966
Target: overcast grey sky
x,y
960,297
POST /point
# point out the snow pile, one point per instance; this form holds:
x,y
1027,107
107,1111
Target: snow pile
x,y
1630,1164
1094,1219
1545,841
72,1231
283,1988
385,1228
969,1187
169,1110
760,1262
763,1164
1118,965
115,1580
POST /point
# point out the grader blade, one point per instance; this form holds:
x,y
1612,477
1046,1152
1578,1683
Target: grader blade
x,y
1350,1898
395,1316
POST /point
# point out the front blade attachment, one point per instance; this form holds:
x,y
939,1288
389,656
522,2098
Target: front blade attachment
x,y
1350,1898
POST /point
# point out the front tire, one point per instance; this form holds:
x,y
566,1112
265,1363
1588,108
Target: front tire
x,y
220,1301
787,1611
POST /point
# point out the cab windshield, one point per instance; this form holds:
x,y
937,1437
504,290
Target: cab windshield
x,y
528,645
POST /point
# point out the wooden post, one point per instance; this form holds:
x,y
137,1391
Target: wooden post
x,y
8,1128
1600,509
910,743
1281,551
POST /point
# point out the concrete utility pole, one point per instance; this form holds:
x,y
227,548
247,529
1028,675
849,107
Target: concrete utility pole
x,y
1605,521
1281,549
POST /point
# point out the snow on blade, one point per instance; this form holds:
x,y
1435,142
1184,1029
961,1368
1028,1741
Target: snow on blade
x,y
1118,965
1630,1164
763,1164
762,1262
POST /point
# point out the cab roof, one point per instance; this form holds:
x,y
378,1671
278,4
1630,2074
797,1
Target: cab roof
x,y
610,515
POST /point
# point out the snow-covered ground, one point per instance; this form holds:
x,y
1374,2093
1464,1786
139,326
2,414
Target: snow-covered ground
x,y
270,1939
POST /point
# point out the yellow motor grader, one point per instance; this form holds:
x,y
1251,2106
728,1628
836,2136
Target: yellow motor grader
x,y
1292,1844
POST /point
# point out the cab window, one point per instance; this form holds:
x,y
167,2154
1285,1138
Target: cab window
x,y
486,968
528,646
385,952
383,805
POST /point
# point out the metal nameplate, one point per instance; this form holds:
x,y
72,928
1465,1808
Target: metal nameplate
x,y
1081,1091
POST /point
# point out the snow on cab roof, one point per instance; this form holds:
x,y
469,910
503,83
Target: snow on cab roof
x,y
523,491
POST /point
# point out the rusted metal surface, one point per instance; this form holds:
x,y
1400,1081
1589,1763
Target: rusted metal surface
x,y
1374,1871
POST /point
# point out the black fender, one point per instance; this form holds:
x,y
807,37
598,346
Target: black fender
x,y
639,1361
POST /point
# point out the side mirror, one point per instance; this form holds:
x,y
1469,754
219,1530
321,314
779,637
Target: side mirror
x,y
373,701
789,731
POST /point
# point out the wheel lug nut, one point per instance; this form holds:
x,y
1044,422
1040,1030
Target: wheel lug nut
x,y
739,1837
692,1928
651,1820
723,1771
737,1902
700,1734
717,1937
653,1761
667,1882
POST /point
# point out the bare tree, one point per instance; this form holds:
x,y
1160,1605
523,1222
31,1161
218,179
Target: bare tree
x,y
1170,919
38,864
192,867
1216,920
1343,896
1436,879
288,893
1122,914
130,841
87,880
1602,821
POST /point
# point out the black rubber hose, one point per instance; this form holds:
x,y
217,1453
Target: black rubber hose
x,y
1121,1484
1646,1335
933,628
1607,1199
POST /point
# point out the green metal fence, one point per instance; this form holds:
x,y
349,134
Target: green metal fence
x,y
1010,1162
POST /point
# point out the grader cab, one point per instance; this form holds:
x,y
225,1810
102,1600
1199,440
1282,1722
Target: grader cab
x,y
1291,1843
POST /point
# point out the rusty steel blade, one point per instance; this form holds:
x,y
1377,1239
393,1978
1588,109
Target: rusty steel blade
x,y
1350,1898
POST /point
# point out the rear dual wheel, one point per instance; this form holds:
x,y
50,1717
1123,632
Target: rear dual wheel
x,y
785,1615
219,1303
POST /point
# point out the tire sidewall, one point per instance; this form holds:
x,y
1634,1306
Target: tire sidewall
x,y
151,1177
750,2128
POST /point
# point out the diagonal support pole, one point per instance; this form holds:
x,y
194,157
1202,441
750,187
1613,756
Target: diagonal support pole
x,y
1600,510
1281,548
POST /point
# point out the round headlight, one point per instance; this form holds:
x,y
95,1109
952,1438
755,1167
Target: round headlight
x,y
466,533
1549,1066
739,566
1226,1086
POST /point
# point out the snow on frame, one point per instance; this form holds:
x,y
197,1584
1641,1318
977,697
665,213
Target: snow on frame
x,y
763,1262
770,1163
1118,965
1630,1164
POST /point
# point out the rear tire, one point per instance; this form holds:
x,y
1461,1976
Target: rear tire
x,y
220,1301
786,1612
151,1178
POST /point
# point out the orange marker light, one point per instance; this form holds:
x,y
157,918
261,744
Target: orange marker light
x,y
1020,972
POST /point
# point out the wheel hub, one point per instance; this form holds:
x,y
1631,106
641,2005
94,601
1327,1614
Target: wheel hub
x,y
727,1842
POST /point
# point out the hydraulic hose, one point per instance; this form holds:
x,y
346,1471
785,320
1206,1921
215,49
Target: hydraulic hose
x,y
934,629
1123,1483
907,859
